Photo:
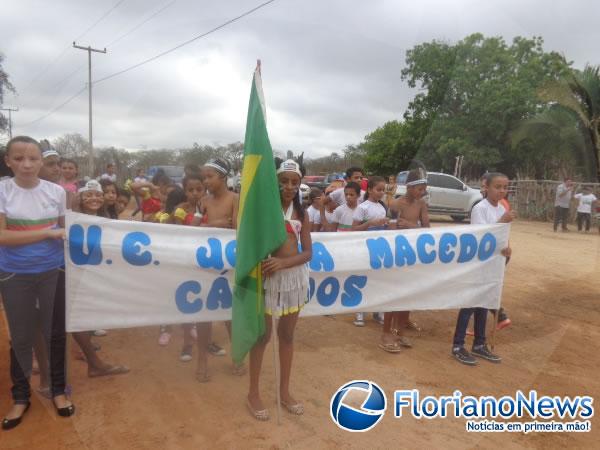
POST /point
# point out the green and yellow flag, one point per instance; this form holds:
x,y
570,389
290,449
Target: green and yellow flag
x,y
261,228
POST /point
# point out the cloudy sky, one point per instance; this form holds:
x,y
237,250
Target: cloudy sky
x,y
331,68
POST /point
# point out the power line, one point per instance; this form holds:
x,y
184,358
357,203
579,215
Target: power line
x,y
53,110
140,24
183,44
78,93
55,60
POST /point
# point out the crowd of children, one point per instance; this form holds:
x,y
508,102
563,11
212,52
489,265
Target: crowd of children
x,y
32,208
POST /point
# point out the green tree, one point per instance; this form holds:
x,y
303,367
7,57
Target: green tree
x,y
474,94
5,86
579,92
389,148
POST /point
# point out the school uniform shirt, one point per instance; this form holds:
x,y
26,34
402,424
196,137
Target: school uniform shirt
x,y
37,208
314,215
343,217
369,210
484,212
585,202
339,197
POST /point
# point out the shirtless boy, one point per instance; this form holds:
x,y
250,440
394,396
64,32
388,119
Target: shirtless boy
x,y
409,211
219,210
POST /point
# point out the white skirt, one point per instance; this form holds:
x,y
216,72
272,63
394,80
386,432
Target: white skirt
x,y
286,291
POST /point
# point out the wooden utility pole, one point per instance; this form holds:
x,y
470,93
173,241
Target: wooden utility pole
x,y
90,50
10,110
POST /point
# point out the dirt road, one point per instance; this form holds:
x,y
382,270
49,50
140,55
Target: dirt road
x,y
552,293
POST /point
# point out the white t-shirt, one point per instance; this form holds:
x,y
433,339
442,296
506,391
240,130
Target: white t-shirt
x,y
38,208
485,213
343,216
140,179
563,201
369,210
585,202
328,216
314,215
106,176
339,197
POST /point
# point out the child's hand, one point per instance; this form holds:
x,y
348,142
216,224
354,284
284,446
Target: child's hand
x,y
378,222
271,265
508,217
506,252
58,233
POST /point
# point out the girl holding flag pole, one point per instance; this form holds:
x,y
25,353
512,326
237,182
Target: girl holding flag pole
x,y
286,291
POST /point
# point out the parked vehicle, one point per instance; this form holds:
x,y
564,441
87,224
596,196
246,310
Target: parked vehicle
x,y
317,181
175,173
446,195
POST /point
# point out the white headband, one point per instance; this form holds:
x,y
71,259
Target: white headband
x,y
49,152
289,165
91,185
416,182
218,167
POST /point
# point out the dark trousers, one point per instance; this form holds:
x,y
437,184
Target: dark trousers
x,y
584,218
21,294
561,215
58,340
464,315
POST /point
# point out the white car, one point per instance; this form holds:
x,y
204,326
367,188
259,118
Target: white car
x,y
446,195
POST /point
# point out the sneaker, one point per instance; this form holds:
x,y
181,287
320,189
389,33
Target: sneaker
x,y
164,338
100,333
216,350
186,354
462,355
193,332
378,317
359,321
482,351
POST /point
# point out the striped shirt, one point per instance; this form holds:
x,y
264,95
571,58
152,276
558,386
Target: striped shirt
x,y
38,208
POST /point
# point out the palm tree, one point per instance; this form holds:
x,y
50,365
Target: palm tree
x,y
580,93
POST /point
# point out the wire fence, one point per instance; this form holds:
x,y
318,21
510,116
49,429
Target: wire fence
x,y
534,199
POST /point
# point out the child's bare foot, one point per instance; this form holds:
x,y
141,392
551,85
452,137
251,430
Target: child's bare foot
x,y
106,370
257,408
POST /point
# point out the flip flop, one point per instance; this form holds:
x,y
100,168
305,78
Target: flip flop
x,y
391,347
239,369
112,370
404,342
203,377
412,325
297,409
262,415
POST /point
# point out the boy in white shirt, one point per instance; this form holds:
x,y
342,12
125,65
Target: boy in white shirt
x,y
587,201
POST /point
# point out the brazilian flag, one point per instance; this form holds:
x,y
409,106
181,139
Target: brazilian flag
x,y
260,228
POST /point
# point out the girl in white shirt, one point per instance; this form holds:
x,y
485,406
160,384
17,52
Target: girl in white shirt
x,y
371,215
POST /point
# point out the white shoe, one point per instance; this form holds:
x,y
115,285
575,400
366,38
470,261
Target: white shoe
x,y
100,333
359,321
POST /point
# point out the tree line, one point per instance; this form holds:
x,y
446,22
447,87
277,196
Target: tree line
x,y
511,107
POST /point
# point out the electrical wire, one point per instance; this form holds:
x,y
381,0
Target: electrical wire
x,y
183,44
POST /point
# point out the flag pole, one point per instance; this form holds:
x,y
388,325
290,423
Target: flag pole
x,y
275,334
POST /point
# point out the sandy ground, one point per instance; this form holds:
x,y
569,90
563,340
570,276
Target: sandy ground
x,y
552,293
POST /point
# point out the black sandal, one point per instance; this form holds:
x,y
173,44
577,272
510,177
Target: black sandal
x,y
67,411
9,424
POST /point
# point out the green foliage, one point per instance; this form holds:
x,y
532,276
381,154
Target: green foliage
x,y
389,148
474,94
579,92
5,86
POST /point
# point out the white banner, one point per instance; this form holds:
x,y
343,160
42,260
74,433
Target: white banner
x,y
124,274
